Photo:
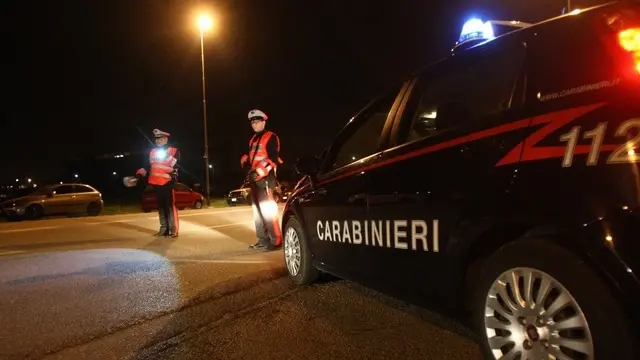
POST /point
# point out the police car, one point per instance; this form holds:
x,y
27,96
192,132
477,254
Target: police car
x,y
500,184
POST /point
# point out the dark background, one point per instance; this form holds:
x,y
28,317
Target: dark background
x,y
89,78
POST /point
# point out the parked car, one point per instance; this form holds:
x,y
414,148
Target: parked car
x,y
499,185
241,196
185,197
285,195
59,199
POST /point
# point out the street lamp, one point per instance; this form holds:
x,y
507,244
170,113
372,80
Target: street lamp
x,y
205,23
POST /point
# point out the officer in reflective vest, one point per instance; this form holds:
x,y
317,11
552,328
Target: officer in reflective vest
x,y
261,164
163,175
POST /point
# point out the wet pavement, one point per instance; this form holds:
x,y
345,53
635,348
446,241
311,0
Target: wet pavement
x,y
104,288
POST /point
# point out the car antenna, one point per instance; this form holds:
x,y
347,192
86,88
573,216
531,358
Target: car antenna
x,y
567,7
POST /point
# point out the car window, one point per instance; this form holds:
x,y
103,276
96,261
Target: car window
x,y
581,67
182,187
361,137
63,189
459,91
41,191
585,61
81,189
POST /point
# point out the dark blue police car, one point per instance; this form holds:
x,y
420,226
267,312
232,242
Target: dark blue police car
x,y
501,183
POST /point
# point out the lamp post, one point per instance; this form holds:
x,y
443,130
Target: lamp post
x,y
204,24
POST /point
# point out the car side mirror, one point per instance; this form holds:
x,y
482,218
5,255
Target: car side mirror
x,y
308,165
425,124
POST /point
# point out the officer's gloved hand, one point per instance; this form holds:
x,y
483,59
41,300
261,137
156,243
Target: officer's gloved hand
x,y
142,172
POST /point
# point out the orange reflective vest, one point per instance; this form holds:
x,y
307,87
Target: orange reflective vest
x,y
162,163
260,161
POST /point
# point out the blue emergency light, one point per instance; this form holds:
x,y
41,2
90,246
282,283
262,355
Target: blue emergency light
x,y
476,29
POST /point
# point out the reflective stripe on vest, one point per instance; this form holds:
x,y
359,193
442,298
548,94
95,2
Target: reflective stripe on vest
x,y
162,163
258,153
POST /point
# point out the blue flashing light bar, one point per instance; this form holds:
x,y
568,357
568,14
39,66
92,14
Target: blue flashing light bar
x,y
476,29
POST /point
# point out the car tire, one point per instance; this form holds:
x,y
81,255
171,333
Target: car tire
x,y
34,212
296,251
94,209
197,205
593,306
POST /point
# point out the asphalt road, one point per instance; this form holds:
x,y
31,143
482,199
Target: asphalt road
x,y
104,288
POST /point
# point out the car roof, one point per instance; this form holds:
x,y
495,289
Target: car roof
x,y
73,184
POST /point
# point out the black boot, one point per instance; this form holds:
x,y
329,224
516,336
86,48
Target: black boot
x,y
260,245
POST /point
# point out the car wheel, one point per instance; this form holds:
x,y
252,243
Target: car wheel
x,y
34,212
297,255
94,209
537,300
198,204
146,210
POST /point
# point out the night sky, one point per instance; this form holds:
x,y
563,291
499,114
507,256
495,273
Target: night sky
x,y
81,77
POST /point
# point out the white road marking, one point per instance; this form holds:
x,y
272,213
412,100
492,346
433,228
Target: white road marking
x,y
232,224
109,222
28,229
12,252
207,213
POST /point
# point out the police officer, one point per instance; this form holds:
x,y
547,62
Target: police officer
x,y
163,175
261,164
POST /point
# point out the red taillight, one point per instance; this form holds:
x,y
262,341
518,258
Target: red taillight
x,y
629,40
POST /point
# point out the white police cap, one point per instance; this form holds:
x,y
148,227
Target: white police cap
x,y
159,133
257,114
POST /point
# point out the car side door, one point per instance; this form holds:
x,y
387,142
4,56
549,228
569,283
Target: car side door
x,y
441,180
60,200
83,196
336,205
